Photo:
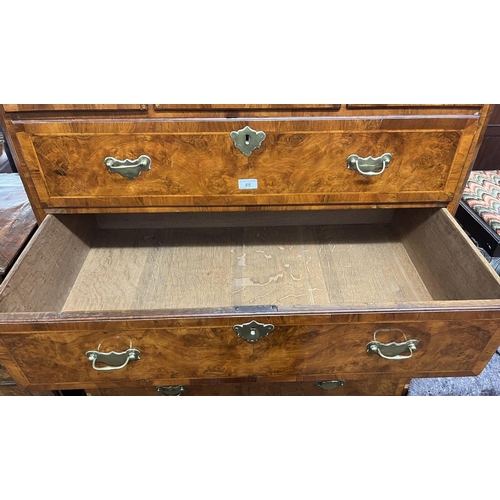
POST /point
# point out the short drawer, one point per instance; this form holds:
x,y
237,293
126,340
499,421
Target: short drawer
x,y
16,108
190,163
405,297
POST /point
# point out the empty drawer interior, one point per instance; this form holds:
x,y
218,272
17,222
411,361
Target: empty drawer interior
x,y
78,263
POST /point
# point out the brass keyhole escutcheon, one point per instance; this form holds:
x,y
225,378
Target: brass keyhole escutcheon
x,y
247,140
253,331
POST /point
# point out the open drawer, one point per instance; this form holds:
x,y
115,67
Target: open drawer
x,y
305,296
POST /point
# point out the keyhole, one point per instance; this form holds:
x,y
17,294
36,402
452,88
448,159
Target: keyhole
x,y
253,332
247,139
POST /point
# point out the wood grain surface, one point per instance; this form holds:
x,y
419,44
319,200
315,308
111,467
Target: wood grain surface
x,y
302,269
45,272
191,107
5,377
446,259
369,387
467,120
71,265
8,386
173,292
255,218
57,360
9,108
21,167
13,111
196,163
158,269
469,159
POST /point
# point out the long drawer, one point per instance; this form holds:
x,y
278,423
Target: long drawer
x,y
291,161
408,296
61,359
371,387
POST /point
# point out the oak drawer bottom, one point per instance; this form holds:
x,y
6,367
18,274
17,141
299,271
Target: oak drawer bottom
x,y
74,267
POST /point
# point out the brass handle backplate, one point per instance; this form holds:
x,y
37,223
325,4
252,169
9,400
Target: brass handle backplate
x,y
329,385
171,390
128,168
369,166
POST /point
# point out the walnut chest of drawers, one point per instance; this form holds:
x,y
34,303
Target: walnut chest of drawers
x,y
246,249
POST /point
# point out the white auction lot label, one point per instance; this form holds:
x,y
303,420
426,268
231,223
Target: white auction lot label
x,y
247,183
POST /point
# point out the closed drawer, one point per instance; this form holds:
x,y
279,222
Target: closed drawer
x,y
8,387
252,107
194,354
185,299
5,379
13,108
194,163
321,388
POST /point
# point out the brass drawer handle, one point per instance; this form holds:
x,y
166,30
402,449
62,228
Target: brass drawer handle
x,y
128,168
369,166
247,139
392,350
329,385
113,360
253,331
171,390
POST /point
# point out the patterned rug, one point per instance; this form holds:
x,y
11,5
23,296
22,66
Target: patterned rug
x,y
487,383
482,194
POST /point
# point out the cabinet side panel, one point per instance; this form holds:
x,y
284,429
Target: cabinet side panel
x,y
45,272
479,132
16,153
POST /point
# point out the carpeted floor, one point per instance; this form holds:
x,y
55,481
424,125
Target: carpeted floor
x,y
487,383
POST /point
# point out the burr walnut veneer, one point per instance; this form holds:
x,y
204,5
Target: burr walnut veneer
x,y
246,249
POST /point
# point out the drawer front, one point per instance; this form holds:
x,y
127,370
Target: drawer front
x,y
291,352
369,387
5,377
239,107
196,163
9,388
13,108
